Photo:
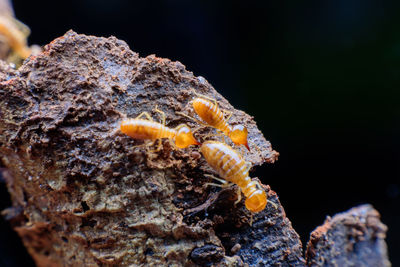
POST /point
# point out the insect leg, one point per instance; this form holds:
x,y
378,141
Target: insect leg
x,y
251,219
173,144
223,182
205,97
146,114
258,185
214,184
211,135
162,114
159,146
196,129
273,204
229,116
193,119
239,194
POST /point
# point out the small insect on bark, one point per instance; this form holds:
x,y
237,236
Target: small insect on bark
x,y
207,109
15,33
150,130
231,166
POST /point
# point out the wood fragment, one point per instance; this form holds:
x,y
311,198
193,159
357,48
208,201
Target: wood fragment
x,y
83,194
352,238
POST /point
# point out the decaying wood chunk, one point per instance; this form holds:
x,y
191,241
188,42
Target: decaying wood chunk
x,y
83,194
352,238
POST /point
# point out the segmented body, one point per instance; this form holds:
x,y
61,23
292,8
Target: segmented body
x,y
231,166
145,129
16,34
211,114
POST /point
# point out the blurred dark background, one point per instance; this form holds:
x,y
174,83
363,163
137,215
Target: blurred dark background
x,y
321,78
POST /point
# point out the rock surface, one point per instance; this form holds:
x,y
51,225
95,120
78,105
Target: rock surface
x,y
85,194
352,238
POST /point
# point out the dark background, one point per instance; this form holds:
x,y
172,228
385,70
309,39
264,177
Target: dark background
x,y
321,78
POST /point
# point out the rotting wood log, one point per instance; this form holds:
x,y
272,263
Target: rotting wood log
x,y
352,238
83,194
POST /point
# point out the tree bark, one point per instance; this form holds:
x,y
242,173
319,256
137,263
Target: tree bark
x,y
84,194
352,238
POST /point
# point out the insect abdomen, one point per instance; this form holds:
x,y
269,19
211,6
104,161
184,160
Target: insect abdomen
x,y
143,129
229,164
232,167
211,114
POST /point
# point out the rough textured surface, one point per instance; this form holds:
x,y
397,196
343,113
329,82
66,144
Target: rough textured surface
x,y
83,194
352,238
271,233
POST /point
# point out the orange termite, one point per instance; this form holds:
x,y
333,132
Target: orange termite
x,y
148,129
231,166
207,109
15,32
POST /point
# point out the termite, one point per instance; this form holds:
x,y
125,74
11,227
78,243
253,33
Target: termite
x,y
138,128
207,109
231,166
15,32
